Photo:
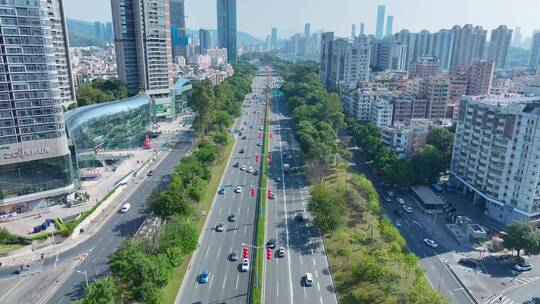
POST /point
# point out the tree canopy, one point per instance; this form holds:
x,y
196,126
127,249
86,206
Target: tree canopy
x,y
522,236
99,91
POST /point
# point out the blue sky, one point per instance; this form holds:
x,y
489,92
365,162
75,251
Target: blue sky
x,y
258,16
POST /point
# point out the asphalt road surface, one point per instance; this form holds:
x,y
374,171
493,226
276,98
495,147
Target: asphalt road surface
x,y
304,250
226,282
115,230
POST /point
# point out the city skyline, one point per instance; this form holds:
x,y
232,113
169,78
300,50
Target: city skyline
x,y
339,17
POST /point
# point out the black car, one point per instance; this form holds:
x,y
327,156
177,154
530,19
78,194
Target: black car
x,y
255,172
244,137
241,151
300,217
471,263
233,256
277,179
150,173
236,165
271,243
398,212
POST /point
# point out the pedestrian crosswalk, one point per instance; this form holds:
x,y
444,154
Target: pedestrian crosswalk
x,y
526,280
33,267
505,300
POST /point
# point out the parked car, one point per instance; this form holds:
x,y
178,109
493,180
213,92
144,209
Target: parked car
x,y
431,243
398,213
468,262
523,266
400,201
387,198
407,208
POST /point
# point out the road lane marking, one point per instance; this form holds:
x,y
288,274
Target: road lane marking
x,y
219,251
11,289
211,281
300,259
237,277
224,281
206,254
316,274
277,288
245,228
230,210
305,294
314,262
320,299
247,212
318,286
220,210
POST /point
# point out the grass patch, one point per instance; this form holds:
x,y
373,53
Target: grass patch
x,y
10,247
171,290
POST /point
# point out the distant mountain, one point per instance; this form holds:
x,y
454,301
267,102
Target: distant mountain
x,y
83,33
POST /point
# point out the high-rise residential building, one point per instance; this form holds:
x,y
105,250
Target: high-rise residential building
x,y
98,29
362,28
517,37
353,31
425,67
307,29
142,39
499,43
443,42
62,56
498,160
226,17
179,39
480,77
436,91
538,76
205,41
409,39
325,62
534,57
389,25
422,44
109,32
274,37
379,30
398,56
382,111
35,167
468,44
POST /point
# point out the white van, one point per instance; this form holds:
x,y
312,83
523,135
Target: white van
x,y
125,208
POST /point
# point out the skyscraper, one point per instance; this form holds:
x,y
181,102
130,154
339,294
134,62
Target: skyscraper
x,y
226,27
142,43
307,29
362,28
442,47
436,90
98,29
499,43
468,44
480,77
380,22
109,32
205,41
389,25
274,37
517,37
35,163
534,58
62,56
353,30
179,40
325,62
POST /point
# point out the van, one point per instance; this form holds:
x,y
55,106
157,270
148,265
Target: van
x,y
125,208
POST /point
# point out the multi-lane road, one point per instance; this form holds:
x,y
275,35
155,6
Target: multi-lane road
x,y
226,282
304,249
118,227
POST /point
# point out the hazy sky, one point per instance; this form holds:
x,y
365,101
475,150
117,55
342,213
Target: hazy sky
x,y
258,16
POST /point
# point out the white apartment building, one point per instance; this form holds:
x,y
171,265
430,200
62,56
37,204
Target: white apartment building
x,y
406,139
357,103
199,61
217,56
497,154
381,111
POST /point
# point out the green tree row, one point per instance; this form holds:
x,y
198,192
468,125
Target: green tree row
x,y
142,267
423,166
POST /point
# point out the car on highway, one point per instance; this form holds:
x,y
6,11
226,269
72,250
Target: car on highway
x,y
245,265
238,189
244,137
236,164
468,262
243,168
203,277
233,256
400,201
271,195
271,243
431,243
260,128
407,208
241,151
255,172
125,208
281,252
250,169
232,218
277,179
300,217
220,227
150,173
523,266
221,190
259,144
308,279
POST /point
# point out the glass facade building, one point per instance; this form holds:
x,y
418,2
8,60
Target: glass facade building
x,y
35,163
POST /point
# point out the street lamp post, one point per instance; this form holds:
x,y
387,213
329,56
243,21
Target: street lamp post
x,y
85,276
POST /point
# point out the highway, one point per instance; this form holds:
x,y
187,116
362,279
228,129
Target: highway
x,y
304,250
116,229
226,282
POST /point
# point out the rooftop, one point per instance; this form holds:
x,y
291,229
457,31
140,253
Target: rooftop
x,y
427,195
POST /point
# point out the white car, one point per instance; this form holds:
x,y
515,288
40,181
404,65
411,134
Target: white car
x,y
398,224
407,208
431,243
245,265
400,201
238,189
260,128
308,279
125,208
243,168
523,266
250,170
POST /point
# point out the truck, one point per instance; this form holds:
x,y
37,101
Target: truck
x,y
286,168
